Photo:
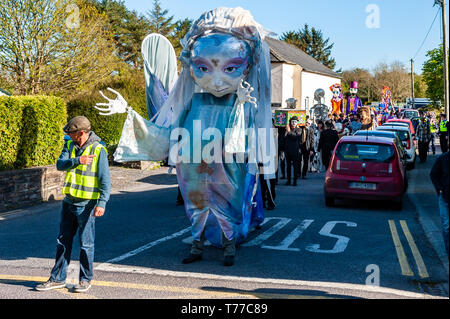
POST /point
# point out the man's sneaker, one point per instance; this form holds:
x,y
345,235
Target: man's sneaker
x,y
192,258
49,285
84,286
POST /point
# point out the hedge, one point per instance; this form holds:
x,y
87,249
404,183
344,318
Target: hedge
x,y
31,131
109,128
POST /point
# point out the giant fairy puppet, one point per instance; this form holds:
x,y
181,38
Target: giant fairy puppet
x,y
215,125
353,100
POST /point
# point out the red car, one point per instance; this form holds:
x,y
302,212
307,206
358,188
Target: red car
x,y
408,121
366,167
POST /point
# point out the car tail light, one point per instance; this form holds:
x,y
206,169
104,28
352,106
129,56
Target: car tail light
x,y
338,165
409,144
390,169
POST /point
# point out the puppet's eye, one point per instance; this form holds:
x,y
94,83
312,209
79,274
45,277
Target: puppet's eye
x,y
230,69
203,68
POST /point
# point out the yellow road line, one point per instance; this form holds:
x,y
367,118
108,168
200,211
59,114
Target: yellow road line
x,y
406,269
423,273
200,293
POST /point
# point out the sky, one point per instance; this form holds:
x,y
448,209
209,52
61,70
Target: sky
x,y
364,32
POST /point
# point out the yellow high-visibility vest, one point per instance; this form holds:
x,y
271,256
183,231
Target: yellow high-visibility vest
x,y
82,181
443,126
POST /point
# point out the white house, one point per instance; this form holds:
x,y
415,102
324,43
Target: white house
x,y
297,75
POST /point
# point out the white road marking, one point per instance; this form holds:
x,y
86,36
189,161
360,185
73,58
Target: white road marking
x,y
268,233
340,245
148,246
292,237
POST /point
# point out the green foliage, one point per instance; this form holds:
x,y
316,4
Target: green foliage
x,y
30,131
313,43
131,85
433,75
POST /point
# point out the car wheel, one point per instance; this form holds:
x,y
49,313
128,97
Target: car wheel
x,y
329,201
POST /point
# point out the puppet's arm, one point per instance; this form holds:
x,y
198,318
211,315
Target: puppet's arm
x,y
141,140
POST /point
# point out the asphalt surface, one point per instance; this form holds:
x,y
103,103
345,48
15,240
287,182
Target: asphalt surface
x,y
304,250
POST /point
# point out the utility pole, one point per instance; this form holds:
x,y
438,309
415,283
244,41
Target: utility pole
x,y
412,84
445,47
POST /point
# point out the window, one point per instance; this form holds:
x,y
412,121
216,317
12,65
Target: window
x,y
359,152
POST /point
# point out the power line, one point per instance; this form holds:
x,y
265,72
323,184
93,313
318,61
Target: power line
x,y
429,30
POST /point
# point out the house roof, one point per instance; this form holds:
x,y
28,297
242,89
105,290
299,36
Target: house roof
x,y
281,51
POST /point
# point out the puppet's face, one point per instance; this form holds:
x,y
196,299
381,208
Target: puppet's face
x,y
219,62
336,93
353,91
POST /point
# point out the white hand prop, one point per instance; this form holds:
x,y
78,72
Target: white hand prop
x,y
243,93
119,105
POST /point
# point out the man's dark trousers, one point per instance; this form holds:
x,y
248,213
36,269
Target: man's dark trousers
x,y
75,218
423,151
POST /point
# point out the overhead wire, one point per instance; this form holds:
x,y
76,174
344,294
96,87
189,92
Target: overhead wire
x,y
428,33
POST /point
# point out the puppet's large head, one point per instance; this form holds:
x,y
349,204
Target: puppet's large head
x,y
219,62
337,91
354,88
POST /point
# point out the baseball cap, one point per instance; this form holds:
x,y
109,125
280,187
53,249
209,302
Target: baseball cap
x,y
78,123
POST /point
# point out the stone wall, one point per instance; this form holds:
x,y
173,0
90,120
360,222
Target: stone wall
x,y
21,188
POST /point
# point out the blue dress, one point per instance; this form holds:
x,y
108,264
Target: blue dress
x,y
219,197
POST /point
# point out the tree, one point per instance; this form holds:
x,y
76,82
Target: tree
x,y
396,77
53,46
433,75
159,22
420,87
312,42
129,30
365,86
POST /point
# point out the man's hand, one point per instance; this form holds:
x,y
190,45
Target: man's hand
x,y
99,211
87,160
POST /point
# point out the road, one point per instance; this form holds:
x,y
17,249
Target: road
x,y
304,250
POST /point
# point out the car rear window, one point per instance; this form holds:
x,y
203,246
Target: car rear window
x,y
402,135
410,114
380,153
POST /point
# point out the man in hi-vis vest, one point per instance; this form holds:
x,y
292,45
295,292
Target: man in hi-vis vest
x,y
87,188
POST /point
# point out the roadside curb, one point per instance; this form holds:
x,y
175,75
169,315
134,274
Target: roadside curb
x,y
428,210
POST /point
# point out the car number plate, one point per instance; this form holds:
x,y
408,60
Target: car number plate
x,y
370,186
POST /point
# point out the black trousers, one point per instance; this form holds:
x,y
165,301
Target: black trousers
x,y
326,157
305,162
444,142
267,197
293,161
423,151
282,158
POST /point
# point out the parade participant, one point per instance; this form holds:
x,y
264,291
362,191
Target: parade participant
x,y
365,116
319,111
327,142
443,133
281,151
316,163
440,177
226,58
306,147
353,101
87,188
433,130
268,185
293,152
423,134
337,101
